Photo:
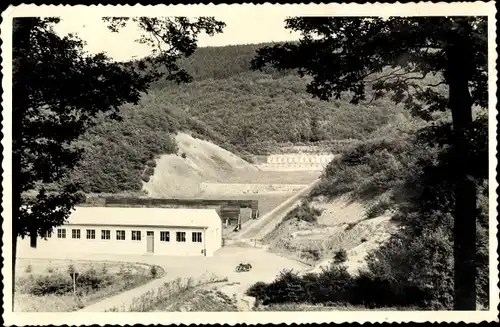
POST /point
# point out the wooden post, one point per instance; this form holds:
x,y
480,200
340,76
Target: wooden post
x,y
74,284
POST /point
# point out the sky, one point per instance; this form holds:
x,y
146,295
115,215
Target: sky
x,y
250,26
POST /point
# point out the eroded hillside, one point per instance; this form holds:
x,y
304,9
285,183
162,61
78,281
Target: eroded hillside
x,y
242,111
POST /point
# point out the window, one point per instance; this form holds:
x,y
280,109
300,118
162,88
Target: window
x,y
61,233
136,235
180,236
90,234
196,237
75,233
105,234
165,236
120,235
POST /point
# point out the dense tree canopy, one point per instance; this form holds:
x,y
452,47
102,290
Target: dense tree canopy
x,y
58,90
394,56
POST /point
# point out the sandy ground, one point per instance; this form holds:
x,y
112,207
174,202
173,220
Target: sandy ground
x,y
207,164
210,172
176,176
341,226
229,189
266,266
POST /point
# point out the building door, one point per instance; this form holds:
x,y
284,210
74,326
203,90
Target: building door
x,y
151,241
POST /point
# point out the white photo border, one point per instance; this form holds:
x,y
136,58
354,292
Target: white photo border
x,y
129,318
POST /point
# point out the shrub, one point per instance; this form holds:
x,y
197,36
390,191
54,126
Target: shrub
x,y
330,285
91,280
248,158
257,290
377,209
145,178
153,270
333,284
340,256
71,269
311,253
304,212
126,275
184,155
149,171
151,163
57,284
50,269
28,269
376,292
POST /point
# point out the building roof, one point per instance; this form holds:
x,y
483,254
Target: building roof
x,y
116,216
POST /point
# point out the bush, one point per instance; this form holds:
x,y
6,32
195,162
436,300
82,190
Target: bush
x,y
91,280
28,269
422,264
50,284
340,256
248,158
257,290
184,155
311,253
151,163
71,269
304,212
377,209
336,285
331,285
153,270
376,292
149,171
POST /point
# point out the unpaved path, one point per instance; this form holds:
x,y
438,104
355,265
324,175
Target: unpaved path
x,y
125,299
259,228
266,267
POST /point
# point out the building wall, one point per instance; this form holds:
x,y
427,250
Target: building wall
x,y
211,241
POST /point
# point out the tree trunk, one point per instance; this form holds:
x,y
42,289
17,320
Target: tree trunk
x,y
465,187
14,253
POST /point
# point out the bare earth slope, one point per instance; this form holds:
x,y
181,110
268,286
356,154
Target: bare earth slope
x,y
341,226
204,162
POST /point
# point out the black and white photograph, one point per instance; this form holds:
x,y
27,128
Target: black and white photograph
x,y
249,164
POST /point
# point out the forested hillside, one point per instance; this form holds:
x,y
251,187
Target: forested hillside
x,y
228,104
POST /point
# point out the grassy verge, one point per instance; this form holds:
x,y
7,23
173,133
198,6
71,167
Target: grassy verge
x,y
201,299
166,295
45,286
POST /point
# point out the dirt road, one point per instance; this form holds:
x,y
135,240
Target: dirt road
x,y
266,266
259,228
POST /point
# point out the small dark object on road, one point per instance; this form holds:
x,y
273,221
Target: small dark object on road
x,y
242,267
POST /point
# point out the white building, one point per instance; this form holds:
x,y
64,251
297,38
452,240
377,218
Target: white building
x,y
115,230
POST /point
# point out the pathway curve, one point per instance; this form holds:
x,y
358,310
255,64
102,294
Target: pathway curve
x,y
125,299
266,266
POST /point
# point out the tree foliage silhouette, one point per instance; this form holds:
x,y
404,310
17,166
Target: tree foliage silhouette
x,y
395,56
58,89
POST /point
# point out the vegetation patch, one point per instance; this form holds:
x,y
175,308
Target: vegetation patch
x,y
336,285
304,212
168,295
265,110
52,289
